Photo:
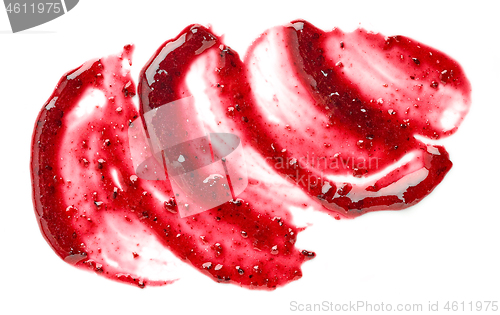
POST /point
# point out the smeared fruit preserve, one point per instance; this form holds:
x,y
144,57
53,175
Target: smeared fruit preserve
x,y
334,120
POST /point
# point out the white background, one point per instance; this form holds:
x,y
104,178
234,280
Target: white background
x,y
443,249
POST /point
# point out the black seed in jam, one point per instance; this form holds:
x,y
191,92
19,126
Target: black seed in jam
x,y
240,271
100,163
308,254
170,205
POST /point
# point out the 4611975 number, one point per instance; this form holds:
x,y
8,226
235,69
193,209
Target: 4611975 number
x,y
479,306
41,8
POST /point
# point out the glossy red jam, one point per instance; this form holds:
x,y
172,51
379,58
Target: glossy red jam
x,y
337,121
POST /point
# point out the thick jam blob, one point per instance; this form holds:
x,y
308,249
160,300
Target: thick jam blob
x,y
340,119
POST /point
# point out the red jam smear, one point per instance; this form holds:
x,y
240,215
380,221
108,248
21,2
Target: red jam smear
x,y
96,213
346,116
309,106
